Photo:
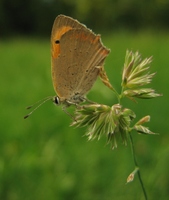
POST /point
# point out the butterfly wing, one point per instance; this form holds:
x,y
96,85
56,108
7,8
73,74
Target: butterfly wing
x,y
75,69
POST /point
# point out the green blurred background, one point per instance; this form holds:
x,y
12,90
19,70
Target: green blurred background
x,y
43,157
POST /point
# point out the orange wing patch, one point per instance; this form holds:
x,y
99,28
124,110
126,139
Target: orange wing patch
x,y
56,40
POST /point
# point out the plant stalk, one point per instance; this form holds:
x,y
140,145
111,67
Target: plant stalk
x,y
136,166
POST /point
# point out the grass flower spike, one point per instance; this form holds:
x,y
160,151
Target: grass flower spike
x,y
113,122
116,122
135,71
135,75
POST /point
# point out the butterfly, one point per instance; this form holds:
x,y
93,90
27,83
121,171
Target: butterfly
x,y
76,55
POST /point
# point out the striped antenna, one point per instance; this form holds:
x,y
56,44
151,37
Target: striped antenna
x,y
40,102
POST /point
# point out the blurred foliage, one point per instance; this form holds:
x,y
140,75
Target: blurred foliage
x,y
43,158
36,17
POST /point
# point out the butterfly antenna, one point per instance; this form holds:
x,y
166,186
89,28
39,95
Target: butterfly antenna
x,y
40,102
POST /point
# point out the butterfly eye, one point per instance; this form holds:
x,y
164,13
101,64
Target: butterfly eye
x,y
56,100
